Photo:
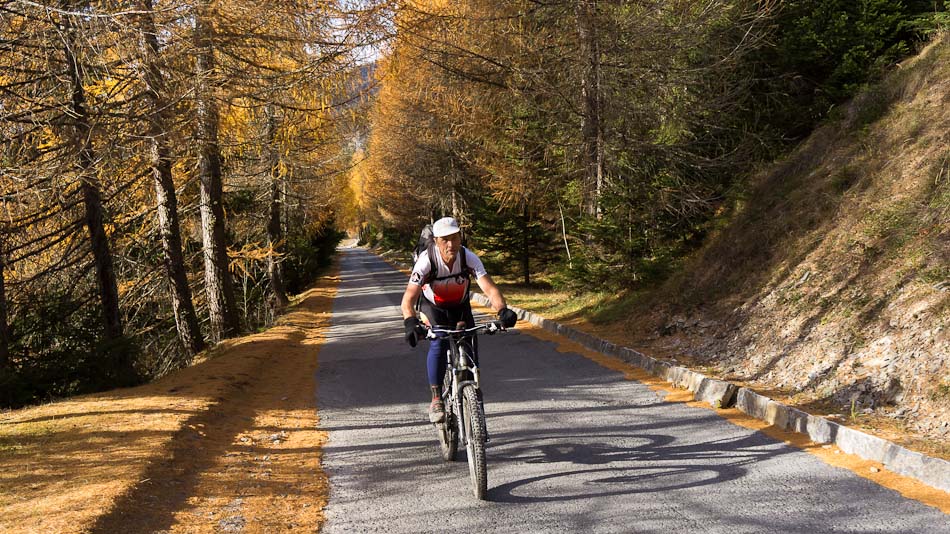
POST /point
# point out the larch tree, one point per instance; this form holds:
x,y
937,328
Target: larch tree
x,y
158,123
219,287
276,201
598,115
4,325
285,99
592,134
130,130
79,130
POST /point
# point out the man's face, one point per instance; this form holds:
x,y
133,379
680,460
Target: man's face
x,y
449,246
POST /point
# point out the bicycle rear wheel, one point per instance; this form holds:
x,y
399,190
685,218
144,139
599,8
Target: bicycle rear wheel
x,y
474,426
448,428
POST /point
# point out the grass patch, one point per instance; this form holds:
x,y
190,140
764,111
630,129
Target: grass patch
x,y
891,226
936,275
940,197
599,307
942,391
17,436
879,223
844,178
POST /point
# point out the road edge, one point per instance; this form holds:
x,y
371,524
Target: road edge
x,y
720,394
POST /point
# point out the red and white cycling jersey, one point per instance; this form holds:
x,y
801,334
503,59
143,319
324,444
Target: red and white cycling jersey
x,y
446,290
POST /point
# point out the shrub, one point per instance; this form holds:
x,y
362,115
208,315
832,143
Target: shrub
x,y
57,350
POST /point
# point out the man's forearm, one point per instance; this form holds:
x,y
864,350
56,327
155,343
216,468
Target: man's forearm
x,y
408,302
497,300
407,310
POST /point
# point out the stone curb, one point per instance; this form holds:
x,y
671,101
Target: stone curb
x,y
934,472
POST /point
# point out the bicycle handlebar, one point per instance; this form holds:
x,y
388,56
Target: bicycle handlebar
x,y
490,328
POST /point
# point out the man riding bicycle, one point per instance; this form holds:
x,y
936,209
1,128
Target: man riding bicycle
x,y
443,277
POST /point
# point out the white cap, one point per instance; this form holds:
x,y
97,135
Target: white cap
x,y
445,226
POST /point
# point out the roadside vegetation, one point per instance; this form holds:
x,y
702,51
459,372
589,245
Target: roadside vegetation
x,y
756,189
694,173
827,286
169,174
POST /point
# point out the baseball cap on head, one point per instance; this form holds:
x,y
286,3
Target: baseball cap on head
x,y
445,226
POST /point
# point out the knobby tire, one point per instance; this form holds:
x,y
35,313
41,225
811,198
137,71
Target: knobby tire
x,y
474,427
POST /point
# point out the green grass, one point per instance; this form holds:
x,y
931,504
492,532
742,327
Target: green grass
x,y
883,222
940,198
942,391
935,275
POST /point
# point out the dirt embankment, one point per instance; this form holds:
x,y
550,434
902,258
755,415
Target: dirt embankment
x,y
830,287
227,445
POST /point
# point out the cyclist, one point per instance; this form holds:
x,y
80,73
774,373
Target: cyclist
x,y
443,276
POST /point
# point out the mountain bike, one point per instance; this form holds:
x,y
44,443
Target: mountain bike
x,y
462,396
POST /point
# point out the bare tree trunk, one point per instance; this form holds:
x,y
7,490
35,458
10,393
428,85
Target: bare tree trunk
x,y
186,320
92,202
567,247
526,245
4,326
275,232
592,138
218,284
91,195
455,203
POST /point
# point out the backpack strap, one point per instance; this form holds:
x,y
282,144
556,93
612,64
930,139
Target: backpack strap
x,y
433,265
434,269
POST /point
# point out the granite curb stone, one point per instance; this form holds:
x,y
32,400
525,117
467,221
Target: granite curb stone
x,y
797,421
751,403
864,445
718,393
934,472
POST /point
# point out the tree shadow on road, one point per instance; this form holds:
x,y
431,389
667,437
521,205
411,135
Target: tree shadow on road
x,y
658,463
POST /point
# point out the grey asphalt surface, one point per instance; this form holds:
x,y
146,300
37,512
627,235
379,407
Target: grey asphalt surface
x,y
574,447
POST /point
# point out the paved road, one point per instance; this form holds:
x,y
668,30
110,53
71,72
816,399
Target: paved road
x,y
575,447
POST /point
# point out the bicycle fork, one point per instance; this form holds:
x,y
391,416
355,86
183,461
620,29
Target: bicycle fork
x,y
456,399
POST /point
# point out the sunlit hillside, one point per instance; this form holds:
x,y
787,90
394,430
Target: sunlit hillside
x,y
831,283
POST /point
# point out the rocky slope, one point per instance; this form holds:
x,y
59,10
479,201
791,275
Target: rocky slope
x,y
830,284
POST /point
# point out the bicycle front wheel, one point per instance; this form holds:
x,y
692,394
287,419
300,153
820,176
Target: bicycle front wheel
x,y
474,427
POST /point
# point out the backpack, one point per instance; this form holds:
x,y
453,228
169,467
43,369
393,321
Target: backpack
x,y
426,245
426,240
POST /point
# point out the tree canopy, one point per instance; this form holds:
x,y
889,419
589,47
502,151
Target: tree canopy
x,y
169,170
173,170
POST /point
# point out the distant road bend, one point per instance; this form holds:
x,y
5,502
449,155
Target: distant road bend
x,y
574,446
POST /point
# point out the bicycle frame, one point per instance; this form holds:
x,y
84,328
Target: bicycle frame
x,y
458,365
455,362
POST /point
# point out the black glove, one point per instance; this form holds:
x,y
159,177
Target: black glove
x,y
508,318
412,325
